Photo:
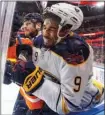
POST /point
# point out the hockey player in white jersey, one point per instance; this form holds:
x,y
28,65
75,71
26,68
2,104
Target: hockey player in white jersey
x,y
59,69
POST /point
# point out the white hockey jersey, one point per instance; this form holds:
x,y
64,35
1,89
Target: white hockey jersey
x,y
74,90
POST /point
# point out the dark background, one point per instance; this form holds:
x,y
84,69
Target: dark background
x,y
93,15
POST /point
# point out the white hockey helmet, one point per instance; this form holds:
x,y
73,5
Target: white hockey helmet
x,y
69,15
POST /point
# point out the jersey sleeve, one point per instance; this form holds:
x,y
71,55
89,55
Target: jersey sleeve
x,y
51,93
74,80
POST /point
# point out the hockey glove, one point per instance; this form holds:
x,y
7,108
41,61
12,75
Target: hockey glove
x,y
34,80
8,68
25,74
13,71
7,75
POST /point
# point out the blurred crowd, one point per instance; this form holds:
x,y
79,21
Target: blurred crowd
x,y
99,55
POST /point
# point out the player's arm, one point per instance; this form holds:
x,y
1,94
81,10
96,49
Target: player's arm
x,y
33,79
16,67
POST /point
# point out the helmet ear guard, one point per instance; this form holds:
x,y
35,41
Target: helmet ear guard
x,y
63,32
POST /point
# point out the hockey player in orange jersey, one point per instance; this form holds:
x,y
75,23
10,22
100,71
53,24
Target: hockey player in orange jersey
x,y
31,27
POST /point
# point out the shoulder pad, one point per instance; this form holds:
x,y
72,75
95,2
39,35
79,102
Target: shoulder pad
x,y
74,50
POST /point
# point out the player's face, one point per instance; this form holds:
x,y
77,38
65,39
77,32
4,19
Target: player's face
x,y
50,29
29,28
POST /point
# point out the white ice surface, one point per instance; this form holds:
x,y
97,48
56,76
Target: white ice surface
x,y
8,97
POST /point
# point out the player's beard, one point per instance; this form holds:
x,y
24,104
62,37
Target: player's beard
x,y
49,42
32,34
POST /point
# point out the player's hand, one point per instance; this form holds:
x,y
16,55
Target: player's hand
x,y
25,74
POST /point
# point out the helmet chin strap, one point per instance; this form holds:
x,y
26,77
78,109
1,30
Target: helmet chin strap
x,y
60,38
